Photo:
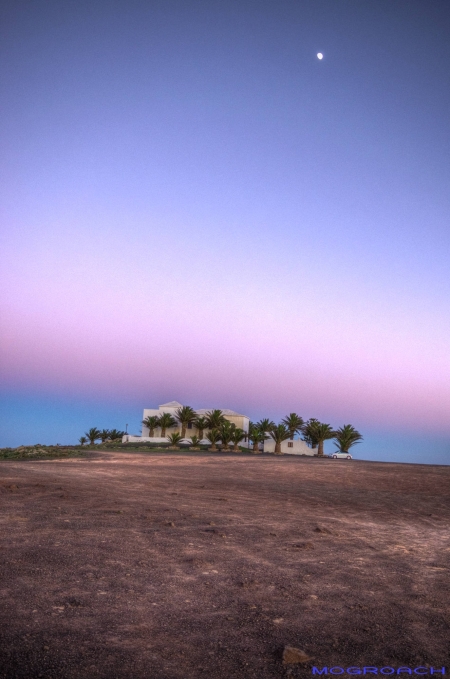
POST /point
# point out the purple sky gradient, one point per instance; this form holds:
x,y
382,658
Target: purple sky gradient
x,y
194,207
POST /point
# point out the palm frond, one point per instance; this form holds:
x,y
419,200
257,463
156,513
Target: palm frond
x,y
279,433
294,423
185,415
93,434
174,438
214,419
265,425
346,437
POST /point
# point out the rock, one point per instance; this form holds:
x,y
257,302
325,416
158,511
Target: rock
x,y
321,529
72,602
294,656
303,545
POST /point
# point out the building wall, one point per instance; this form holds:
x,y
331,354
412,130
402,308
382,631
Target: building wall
x,y
149,412
239,420
127,438
298,447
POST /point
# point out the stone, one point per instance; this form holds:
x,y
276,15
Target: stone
x,y
294,656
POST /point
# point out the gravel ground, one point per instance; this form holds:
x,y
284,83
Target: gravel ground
x,y
178,566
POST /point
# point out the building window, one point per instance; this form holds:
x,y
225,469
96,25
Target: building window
x,y
290,444
189,425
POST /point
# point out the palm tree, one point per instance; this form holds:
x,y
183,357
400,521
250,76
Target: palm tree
x,y
322,432
346,437
174,439
151,422
265,425
195,442
82,440
93,435
115,434
200,424
214,419
185,416
104,435
256,436
213,438
279,433
294,423
166,421
308,430
226,434
236,437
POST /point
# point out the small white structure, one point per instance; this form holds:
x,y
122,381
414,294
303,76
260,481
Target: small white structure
x,y
241,421
295,447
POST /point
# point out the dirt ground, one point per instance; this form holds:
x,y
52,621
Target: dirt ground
x,y
183,565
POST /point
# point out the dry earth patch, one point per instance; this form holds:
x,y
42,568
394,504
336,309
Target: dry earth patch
x,y
182,566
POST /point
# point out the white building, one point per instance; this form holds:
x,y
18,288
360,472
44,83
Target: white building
x,y
295,447
241,421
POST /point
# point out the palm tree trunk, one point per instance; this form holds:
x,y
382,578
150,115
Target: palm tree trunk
x,y
151,433
183,431
277,448
320,450
256,447
236,448
163,433
213,447
200,434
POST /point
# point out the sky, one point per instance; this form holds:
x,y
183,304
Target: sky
x,y
194,207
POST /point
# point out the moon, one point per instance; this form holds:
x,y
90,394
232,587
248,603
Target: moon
x,y
320,56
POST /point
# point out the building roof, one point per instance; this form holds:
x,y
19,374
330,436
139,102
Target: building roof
x,y
202,411
225,411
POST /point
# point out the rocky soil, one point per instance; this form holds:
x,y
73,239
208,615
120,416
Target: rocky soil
x,y
215,566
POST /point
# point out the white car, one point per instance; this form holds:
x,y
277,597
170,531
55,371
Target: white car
x,y
343,456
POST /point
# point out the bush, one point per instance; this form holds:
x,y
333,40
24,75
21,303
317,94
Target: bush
x,y
39,452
